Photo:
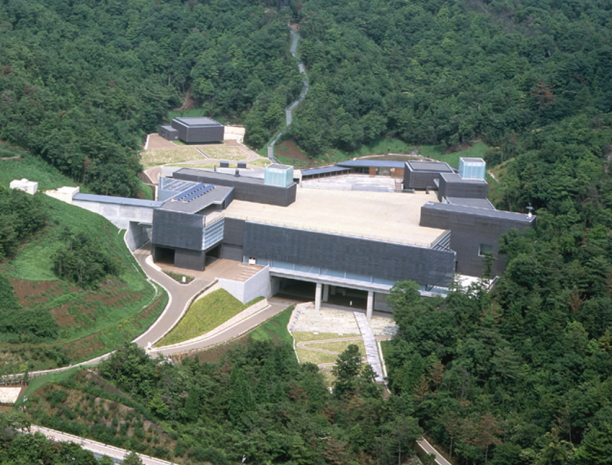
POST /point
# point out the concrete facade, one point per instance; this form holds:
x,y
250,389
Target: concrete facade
x,y
470,229
245,188
198,129
257,285
118,210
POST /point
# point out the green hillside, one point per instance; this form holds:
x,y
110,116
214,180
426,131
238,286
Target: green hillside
x,y
91,322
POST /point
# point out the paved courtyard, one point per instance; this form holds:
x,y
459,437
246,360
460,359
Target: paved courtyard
x,y
337,321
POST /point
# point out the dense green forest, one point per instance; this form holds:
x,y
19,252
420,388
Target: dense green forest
x,y
80,82
258,405
518,376
448,72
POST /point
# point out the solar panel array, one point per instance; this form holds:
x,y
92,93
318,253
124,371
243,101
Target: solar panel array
x,y
194,192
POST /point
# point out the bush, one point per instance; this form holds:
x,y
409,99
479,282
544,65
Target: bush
x,y
23,325
56,397
81,261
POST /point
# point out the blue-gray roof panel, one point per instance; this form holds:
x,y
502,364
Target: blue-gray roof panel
x,y
117,200
323,170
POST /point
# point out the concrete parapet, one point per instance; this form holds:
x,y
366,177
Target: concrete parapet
x,y
65,193
29,187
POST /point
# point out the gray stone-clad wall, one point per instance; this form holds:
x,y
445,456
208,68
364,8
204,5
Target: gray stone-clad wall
x,y
420,179
189,259
198,134
211,134
177,230
233,240
360,256
467,189
245,189
234,232
471,229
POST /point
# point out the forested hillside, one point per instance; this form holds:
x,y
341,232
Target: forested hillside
x,y
447,72
80,82
258,406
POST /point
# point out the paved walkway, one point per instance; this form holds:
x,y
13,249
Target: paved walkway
x,y
179,295
99,449
371,348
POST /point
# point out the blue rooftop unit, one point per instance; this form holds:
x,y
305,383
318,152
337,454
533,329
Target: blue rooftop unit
x,y
278,175
472,168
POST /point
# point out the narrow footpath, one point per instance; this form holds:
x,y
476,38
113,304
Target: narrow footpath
x,y
295,37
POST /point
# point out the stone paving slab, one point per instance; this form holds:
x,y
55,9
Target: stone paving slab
x,y
371,349
331,320
9,395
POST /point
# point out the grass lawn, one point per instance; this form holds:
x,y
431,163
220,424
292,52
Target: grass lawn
x,y
275,328
301,336
204,315
91,322
178,277
321,357
377,147
31,168
53,378
315,357
224,152
208,166
261,162
478,150
144,191
156,157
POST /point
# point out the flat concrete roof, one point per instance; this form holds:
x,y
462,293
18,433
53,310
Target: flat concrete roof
x,y
435,166
455,178
382,216
198,121
483,212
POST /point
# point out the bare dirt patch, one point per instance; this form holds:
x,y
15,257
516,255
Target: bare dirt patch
x,y
188,102
32,292
84,347
158,142
288,149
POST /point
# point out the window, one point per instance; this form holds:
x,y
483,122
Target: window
x,y
485,248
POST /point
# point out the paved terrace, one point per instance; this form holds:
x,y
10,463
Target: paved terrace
x,y
384,216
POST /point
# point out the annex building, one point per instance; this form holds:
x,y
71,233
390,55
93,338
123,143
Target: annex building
x,y
193,130
331,242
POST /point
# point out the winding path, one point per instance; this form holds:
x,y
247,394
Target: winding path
x,y
295,37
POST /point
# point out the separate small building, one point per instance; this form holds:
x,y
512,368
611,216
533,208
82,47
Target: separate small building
x,y
168,132
29,187
198,129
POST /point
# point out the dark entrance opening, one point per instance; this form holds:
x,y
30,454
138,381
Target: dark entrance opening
x,y
213,254
163,255
348,297
292,288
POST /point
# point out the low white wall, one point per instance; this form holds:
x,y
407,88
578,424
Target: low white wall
x,y
245,291
137,235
